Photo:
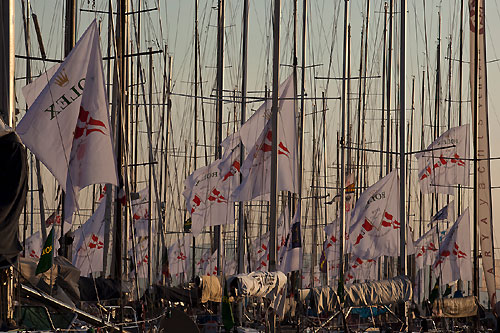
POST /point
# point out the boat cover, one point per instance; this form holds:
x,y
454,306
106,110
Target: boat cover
x,y
13,189
106,289
385,292
211,288
64,274
455,307
322,299
257,284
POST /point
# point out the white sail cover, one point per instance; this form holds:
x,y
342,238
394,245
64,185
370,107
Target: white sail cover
x,y
207,192
88,247
427,248
256,134
483,198
454,261
374,229
33,246
440,168
67,126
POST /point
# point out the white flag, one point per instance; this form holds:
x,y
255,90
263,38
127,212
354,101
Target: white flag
x,y
427,248
292,258
256,168
211,265
361,270
67,126
141,259
207,191
178,256
88,250
141,214
453,261
374,229
283,229
440,168
331,244
33,246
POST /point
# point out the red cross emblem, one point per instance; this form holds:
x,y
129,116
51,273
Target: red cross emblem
x,y
181,256
367,226
86,124
33,254
95,243
266,147
235,167
389,221
215,195
197,201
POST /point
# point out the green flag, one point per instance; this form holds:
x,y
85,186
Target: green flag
x,y
45,262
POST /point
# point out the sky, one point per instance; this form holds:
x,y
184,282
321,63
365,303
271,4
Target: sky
x,y
172,24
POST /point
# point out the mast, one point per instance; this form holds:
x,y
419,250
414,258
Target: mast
x,y
220,105
7,92
195,127
402,142
344,98
69,42
150,172
388,166
274,153
383,92
244,68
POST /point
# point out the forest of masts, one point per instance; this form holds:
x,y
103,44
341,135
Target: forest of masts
x,y
183,89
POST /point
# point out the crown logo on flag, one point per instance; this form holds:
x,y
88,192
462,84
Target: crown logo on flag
x,y
62,79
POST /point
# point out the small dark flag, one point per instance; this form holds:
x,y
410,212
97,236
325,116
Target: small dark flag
x,y
46,259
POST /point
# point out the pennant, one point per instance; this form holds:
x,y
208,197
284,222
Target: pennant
x,y
47,257
453,261
440,167
443,215
88,250
67,125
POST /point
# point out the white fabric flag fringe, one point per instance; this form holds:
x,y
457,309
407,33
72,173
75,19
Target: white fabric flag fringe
x,y
256,134
454,261
67,125
439,168
88,250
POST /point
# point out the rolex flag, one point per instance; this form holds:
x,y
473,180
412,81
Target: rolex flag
x,y
374,229
445,162
88,247
454,261
256,134
67,125
427,248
